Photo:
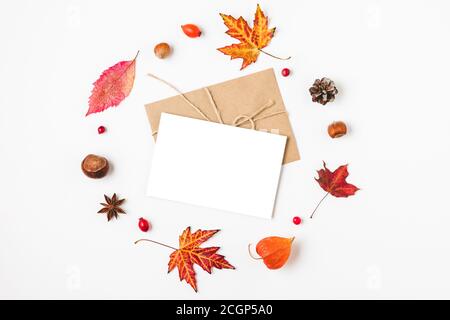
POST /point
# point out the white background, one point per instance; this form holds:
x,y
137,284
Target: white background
x,y
390,61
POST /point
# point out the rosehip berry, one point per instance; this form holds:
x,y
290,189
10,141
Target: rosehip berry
x,y
285,72
191,30
101,130
297,220
143,224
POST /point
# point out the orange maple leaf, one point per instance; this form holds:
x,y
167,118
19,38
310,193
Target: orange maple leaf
x,y
190,253
252,41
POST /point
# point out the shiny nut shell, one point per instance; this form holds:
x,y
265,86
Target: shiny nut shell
x,y
94,166
162,50
337,129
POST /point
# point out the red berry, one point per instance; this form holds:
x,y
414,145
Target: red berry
x,y
101,129
297,220
143,224
191,30
285,72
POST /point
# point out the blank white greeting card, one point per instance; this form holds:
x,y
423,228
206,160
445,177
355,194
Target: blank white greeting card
x,y
217,166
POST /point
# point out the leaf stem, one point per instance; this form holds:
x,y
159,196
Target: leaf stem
x,y
161,244
135,57
312,214
250,253
271,55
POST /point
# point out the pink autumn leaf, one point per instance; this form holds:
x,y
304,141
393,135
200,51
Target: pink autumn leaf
x,y
114,85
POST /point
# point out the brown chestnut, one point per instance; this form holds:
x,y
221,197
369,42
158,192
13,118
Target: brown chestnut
x,y
94,166
337,129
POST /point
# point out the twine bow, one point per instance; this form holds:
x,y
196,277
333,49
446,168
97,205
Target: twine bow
x,y
237,122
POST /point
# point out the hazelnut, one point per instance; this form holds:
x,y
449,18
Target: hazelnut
x,y
337,129
94,166
162,50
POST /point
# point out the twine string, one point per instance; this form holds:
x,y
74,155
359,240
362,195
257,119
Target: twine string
x,y
238,121
182,95
213,103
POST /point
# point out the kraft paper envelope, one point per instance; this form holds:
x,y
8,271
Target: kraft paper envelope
x,y
237,98
217,166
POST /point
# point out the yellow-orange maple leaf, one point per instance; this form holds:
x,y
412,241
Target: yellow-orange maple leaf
x,y
251,40
190,253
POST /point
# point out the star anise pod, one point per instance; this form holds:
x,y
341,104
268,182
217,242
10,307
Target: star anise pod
x,y
112,207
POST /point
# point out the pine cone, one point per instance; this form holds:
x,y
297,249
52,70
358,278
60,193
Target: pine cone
x,y
323,91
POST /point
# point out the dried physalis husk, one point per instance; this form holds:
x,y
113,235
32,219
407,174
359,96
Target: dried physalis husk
x,y
274,251
94,166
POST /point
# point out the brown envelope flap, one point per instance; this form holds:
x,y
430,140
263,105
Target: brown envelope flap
x,y
240,96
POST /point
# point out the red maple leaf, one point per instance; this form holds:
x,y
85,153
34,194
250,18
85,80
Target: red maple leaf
x,y
190,253
334,183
